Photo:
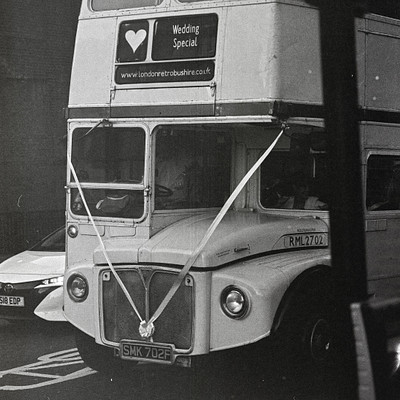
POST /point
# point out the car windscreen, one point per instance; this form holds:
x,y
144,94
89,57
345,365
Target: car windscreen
x,y
54,242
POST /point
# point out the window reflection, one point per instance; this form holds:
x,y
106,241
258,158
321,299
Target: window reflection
x,y
192,168
109,154
115,159
109,203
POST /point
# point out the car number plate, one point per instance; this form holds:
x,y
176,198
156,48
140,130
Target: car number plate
x,y
12,301
146,352
306,240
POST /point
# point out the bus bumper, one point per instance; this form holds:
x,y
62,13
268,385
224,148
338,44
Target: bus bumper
x,y
193,323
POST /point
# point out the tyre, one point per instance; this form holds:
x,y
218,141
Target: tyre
x,y
306,334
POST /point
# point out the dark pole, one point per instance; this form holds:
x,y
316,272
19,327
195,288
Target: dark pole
x,y
337,27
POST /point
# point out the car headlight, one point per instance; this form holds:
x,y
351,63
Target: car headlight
x,y
57,281
77,287
234,302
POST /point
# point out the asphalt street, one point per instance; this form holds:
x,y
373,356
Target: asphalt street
x,y
39,361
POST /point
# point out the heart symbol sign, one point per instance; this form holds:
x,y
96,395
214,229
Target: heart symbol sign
x,y
135,39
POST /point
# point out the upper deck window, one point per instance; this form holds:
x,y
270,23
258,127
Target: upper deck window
x,y
106,5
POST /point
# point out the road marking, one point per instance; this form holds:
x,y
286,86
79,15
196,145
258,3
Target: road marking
x,y
54,360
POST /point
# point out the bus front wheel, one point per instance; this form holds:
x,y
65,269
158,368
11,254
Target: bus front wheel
x,y
307,335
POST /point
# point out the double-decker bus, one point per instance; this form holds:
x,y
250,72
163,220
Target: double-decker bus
x,y
197,183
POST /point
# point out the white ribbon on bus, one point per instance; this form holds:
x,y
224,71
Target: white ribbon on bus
x,y
149,325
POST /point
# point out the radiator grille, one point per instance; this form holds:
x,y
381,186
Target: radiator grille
x,y
174,326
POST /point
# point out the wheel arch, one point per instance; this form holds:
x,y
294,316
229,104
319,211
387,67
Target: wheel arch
x,y
316,278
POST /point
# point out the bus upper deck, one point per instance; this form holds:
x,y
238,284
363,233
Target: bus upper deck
x,y
213,58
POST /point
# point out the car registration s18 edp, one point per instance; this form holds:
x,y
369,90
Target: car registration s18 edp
x,y
12,301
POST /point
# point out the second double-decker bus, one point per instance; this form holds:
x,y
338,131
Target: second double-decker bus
x,y
178,245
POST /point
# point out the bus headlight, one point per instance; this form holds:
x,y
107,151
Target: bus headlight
x,y
78,288
234,302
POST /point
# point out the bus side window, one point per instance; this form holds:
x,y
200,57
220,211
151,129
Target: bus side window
x,y
292,182
383,183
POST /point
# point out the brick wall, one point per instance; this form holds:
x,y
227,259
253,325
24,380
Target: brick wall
x,y
20,231
36,47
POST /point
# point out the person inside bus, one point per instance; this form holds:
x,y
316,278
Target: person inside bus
x,y
275,193
301,200
178,175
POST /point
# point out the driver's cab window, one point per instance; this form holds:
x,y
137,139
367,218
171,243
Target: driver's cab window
x,y
192,167
383,183
112,158
296,177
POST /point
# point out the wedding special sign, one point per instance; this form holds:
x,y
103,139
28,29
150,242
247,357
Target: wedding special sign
x,y
175,49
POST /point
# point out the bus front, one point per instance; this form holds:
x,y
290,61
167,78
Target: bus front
x,y
163,125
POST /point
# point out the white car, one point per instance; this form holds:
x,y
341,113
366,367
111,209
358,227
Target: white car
x,y
31,282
